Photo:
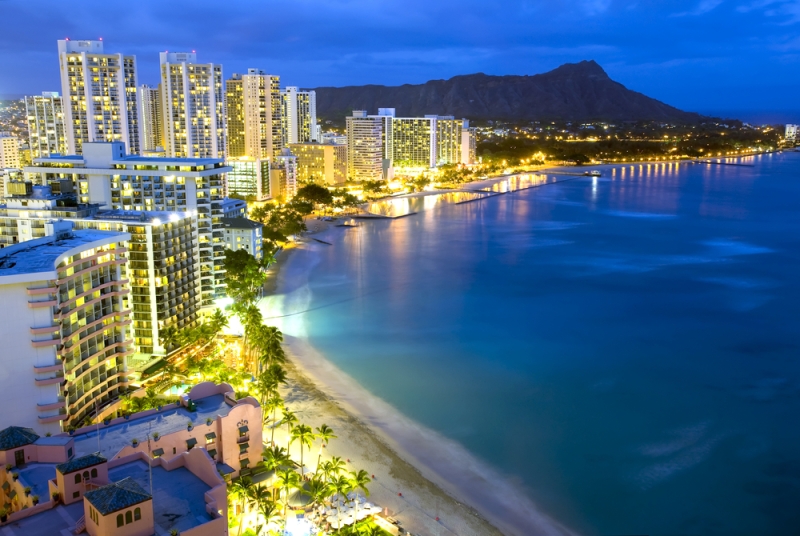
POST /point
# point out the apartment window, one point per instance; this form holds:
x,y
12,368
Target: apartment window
x,y
137,514
77,478
120,520
128,517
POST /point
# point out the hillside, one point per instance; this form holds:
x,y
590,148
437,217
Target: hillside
x,y
573,92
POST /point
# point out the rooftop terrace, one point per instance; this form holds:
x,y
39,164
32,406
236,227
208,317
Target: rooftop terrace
x,y
115,437
53,522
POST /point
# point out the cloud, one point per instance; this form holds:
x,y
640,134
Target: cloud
x,y
787,11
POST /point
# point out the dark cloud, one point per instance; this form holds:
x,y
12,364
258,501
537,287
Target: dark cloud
x,y
697,54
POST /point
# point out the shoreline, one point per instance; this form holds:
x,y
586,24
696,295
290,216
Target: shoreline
x,y
438,478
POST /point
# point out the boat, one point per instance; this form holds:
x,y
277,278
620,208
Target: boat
x,y
593,173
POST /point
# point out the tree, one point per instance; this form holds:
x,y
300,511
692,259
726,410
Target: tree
x,y
305,436
317,489
315,194
332,468
240,490
269,511
340,486
218,321
289,419
324,434
258,496
287,479
244,276
273,404
168,338
359,481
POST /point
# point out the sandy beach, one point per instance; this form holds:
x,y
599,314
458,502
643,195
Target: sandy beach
x,y
420,475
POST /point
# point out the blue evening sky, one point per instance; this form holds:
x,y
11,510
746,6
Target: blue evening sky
x,y
700,55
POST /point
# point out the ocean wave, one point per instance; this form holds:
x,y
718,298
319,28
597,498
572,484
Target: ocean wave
x,y
733,248
639,215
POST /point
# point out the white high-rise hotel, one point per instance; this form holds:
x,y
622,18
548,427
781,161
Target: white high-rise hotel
x,y
100,95
299,115
193,106
46,129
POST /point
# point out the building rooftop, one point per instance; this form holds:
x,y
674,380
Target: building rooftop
x,y
139,216
240,223
50,441
41,254
117,496
79,464
178,495
15,436
115,437
56,521
37,475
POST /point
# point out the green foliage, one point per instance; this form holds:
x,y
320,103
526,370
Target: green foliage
x,y
244,276
315,194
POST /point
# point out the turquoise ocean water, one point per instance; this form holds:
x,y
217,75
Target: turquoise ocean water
x,y
626,348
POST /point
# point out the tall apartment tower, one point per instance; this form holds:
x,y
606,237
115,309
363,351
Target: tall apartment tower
x,y
365,147
193,107
118,181
100,90
150,110
299,115
9,151
65,327
46,129
254,115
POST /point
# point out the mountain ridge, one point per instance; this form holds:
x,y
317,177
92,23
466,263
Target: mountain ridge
x,y
573,92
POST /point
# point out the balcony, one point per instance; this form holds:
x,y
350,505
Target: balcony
x,y
53,380
41,369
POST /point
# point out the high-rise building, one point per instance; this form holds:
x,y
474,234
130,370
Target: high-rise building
x,y
320,163
163,269
791,134
46,129
105,175
254,115
249,178
65,328
9,151
414,142
468,144
448,139
152,129
299,115
100,94
193,107
365,147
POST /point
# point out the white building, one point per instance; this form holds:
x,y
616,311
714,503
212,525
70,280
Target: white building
x,y
254,110
249,177
64,328
791,134
150,110
116,181
9,151
241,233
299,116
283,176
233,208
193,106
46,128
101,92
365,147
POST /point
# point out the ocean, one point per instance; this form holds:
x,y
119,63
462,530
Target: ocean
x,y
624,350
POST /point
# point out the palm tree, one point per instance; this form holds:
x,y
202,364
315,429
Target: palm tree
x,y
317,489
218,321
289,419
269,511
340,485
168,338
273,404
240,490
359,481
275,457
324,434
258,496
287,479
334,467
305,435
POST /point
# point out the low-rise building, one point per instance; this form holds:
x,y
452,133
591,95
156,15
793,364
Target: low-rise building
x,y
234,208
241,233
321,163
791,134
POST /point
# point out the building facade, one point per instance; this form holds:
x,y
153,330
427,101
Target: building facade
x,y
65,327
106,176
249,178
320,163
283,176
9,151
100,94
791,134
151,126
365,147
46,129
234,208
299,115
193,107
254,108
241,233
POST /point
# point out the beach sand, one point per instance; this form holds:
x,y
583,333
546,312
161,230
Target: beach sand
x,y
437,477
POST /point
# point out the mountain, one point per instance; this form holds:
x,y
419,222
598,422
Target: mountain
x,y
573,92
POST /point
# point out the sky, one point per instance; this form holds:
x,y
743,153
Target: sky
x,y
739,56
